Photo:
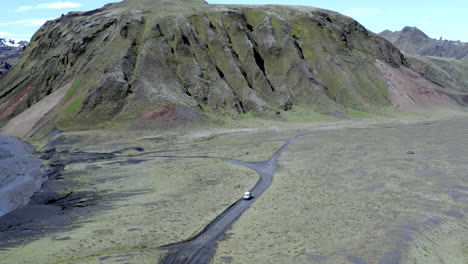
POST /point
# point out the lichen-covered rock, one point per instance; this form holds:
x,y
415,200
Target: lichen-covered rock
x,y
108,95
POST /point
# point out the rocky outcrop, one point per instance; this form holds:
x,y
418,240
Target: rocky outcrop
x,y
414,41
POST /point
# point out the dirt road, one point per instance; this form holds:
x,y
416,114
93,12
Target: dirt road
x,y
201,248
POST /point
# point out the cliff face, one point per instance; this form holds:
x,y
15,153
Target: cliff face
x,y
137,57
414,41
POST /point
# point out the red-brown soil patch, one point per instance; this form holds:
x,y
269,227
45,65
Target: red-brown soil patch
x,y
166,113
172,113
23,125
8,107
411,91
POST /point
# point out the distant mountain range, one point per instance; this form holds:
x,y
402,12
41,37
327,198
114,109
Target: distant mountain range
x,y
412,40
10,51
15,43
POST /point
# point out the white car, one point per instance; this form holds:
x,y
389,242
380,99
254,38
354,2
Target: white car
x,y
247,196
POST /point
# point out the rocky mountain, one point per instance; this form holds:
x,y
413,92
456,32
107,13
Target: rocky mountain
x,y
171,60
10,51
414,41
449,73
442,61
6,42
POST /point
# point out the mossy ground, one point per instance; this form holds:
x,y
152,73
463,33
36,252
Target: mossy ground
x,y
359,114
144,201
74,105
333,190
306,114
359,196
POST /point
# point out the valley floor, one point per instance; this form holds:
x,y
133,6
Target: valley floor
x,y
348,192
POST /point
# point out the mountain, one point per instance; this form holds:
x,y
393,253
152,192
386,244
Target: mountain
x,y
142,60
15,43
10,51
414,41
442,61
449,73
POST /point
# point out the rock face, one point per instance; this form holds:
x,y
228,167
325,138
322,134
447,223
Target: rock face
x,y
10,51
414,41
138,56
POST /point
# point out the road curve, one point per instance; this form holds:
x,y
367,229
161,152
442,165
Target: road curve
x,y
201,248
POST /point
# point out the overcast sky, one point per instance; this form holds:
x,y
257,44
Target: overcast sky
x,y
447,19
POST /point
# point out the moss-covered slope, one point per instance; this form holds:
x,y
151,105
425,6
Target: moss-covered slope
x,y
450,73
137,56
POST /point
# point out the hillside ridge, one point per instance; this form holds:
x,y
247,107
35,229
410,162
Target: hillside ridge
x,y
414,41
152,61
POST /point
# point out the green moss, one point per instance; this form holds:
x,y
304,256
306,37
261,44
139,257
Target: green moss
x,y
208,111
76,83
359,114
306,114
382,87
447,72
396,112
254,17
248,116
76,104
215,20
276,23
299,41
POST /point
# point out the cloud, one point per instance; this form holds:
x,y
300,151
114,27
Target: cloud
x,y
27,22
22,8
56,5
59,5
361,12
5,34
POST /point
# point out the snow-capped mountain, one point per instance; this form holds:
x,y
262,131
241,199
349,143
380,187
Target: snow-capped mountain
x,y
10,51
15,43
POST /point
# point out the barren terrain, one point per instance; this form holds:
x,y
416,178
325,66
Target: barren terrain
x,y
356,192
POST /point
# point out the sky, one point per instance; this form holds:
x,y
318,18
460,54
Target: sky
x,y
20,19
447,19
